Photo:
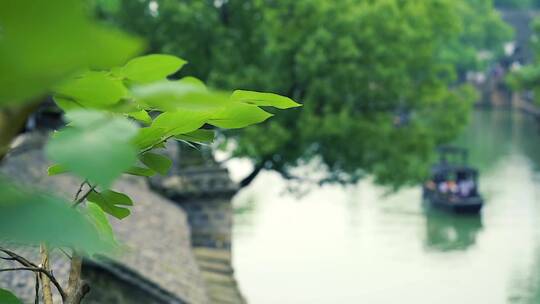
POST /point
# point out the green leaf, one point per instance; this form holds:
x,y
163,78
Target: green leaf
x,y
149,136
31,217
45,41
180,121
67,105
179,95
87,119
98,218
92,89
238,115
95,146
6,297
198,136
193,81
139,171
151,67
117,197
264,99
56,169
141,116
109,201
156,162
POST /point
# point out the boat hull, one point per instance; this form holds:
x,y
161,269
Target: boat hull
x,y
456,205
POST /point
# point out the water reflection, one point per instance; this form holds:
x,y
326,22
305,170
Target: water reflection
x,y
357,245
446,232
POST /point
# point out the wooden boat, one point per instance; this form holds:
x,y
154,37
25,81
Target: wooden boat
x,y
453,185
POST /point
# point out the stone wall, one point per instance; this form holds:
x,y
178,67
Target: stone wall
x,y
210,221
204,190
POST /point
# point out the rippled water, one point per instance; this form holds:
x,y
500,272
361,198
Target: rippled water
x,y
356,245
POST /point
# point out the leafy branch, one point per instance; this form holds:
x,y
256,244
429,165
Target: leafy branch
x,y
110,130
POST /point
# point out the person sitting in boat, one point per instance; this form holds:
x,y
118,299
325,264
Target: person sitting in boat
x,y
448,186
466,187
443,187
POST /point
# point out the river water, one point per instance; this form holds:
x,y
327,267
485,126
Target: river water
x,y
358,245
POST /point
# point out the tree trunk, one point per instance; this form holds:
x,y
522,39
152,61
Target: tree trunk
x,y
77,288
248,179
45,281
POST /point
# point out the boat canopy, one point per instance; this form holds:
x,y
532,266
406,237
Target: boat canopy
x,y
452,163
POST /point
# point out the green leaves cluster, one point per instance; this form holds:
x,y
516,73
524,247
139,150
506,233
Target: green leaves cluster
x,y
118,117
95,145
101,107
118,113
34,217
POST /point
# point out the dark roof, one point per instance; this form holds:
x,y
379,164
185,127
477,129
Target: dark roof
x,y
446,168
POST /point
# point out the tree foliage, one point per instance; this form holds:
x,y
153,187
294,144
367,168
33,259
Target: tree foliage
x,y
517,4
527,78
378,78
481,39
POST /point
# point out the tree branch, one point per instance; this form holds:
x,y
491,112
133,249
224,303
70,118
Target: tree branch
x,y
156,144
34,269
18,258
7,259
45,280
77,288
36,301
251,177
84,196
81,186
65,253
41,271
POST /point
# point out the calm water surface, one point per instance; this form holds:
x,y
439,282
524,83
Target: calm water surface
x,y
356,245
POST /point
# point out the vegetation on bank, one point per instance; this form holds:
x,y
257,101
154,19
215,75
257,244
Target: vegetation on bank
x,y
381,81
517,4
527,78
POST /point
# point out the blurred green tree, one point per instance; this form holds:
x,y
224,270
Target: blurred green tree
x,y
527,78
379,79
517,4
481,40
